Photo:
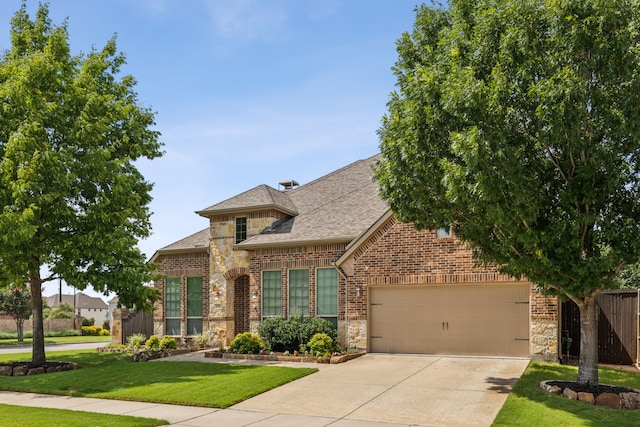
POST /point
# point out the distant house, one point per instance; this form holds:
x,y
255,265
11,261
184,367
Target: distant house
x,y
85,306
332,248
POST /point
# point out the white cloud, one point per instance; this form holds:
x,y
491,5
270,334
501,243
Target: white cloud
x,y
246,20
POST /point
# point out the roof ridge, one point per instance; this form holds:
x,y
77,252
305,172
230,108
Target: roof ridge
x,y
335,172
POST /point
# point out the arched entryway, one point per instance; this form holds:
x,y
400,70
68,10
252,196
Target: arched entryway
x,y
241,306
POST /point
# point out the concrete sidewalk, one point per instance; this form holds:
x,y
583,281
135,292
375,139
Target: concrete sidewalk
x,y
374,390
176,415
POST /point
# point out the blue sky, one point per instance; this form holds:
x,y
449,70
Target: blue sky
x,y
247,92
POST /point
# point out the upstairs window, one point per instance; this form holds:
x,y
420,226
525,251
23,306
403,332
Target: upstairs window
x,y
443,232
241,229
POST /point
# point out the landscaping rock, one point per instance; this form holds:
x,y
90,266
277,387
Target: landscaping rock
x,y
6,370
35,371
19,371
586,397
570,394
630,400
609,400
554,389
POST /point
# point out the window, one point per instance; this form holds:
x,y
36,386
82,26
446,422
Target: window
x,y
172,306
194,305
241,229
271,294
299,292
443,232
327,295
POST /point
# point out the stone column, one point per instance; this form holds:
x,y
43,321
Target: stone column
x,y
119,315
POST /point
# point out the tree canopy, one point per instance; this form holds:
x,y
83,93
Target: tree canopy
x,y
518,123
73,200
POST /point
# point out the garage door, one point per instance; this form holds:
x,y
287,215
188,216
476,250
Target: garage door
x,y
487,319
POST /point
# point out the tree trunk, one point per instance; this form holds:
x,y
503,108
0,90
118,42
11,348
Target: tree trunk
x,y
20,326
38,356
588,365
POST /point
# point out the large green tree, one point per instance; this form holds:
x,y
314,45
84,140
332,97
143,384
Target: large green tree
x,y
74,204
518,123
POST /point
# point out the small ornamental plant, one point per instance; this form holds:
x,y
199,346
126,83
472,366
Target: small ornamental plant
x,y
320,345
153,342
168,343
247,343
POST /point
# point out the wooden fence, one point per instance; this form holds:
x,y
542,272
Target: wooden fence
x,y
617,327
136,322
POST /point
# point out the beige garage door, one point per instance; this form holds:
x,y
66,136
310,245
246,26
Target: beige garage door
x,y
487,319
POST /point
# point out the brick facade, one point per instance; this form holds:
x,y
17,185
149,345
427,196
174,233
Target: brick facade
x,y
391,254
182,265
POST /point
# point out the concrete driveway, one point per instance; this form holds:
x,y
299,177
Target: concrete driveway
x,y
400,389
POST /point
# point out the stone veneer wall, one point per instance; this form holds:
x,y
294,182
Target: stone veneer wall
x,y
398,254
228,264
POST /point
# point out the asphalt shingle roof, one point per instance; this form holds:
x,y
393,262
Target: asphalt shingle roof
x,y
258,198
337,207
196,240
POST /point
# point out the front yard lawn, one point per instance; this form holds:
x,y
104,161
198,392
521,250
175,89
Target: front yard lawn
x,y
114,376
527,405
20,416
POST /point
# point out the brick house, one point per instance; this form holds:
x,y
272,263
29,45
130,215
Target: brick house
x,y
332,248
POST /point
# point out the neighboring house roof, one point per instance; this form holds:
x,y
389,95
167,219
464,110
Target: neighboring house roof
x,y
79,300
337,207
196,241
258,198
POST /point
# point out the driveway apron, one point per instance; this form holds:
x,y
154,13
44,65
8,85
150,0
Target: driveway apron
x,y
403,389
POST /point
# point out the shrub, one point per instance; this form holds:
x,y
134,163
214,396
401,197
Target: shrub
x,y
106,325
88,322
320,345
91,330
168,343
289,334
104,332
136,340
153,342
246,343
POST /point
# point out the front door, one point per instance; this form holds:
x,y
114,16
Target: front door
x,y
241,305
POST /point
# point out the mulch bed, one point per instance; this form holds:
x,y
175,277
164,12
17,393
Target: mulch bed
x,y
595,390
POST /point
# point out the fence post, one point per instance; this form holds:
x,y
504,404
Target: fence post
x,y
117,335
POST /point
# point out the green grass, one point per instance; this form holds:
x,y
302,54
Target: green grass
x,y
20,416
527,405
114,376
51,340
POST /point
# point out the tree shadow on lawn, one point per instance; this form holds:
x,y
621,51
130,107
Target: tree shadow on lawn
x,y
527,397
186,383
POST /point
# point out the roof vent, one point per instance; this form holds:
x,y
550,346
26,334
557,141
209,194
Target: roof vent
x,y
288,185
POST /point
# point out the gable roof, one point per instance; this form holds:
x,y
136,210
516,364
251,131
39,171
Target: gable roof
x,y
337,207
78,300
196,241
258,198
